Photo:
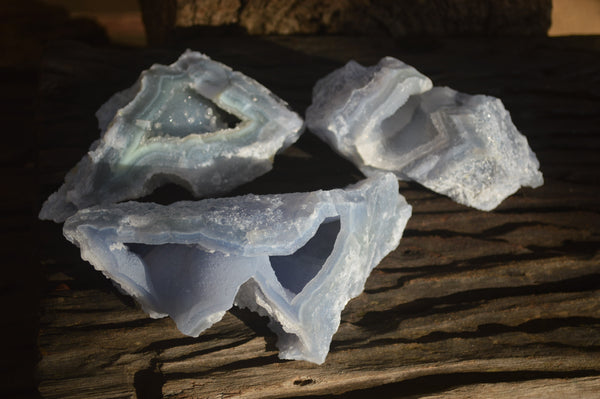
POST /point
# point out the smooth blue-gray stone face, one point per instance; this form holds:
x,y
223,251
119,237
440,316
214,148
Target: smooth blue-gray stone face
x,y
389,118
195,122
297,258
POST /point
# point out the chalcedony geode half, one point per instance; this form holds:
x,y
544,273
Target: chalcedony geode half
x,y
195,122
297,258
388,118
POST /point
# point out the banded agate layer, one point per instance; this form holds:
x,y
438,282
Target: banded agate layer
x,y
195,122
389,118
297,258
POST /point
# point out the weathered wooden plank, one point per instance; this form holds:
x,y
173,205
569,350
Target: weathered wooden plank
x,y
585,388
505,302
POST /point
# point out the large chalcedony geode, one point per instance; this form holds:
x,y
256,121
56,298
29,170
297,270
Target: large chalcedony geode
x,y
298,258
195,122
389,118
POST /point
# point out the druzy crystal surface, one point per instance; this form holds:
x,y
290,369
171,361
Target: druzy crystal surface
x,y
389,118
195,122
298,258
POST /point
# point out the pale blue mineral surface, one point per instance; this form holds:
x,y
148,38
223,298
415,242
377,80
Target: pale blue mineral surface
x,y
195,122
297,258
388,117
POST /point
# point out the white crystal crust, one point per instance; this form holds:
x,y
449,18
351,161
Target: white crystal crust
x,y
298,258
195,122
389,118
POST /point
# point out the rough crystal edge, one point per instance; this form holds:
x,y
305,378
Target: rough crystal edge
x,y
338,99
279,130
336,117
372,214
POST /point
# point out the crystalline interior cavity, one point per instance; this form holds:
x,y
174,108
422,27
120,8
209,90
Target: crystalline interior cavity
x,y
298,258
389,118
195,122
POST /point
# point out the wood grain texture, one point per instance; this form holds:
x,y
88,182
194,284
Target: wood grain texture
x,y
496,304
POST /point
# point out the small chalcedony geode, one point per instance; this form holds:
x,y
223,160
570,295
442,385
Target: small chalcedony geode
x,y
388,118
195,122
298,258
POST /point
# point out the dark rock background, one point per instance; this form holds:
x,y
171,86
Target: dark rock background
x,y
165,20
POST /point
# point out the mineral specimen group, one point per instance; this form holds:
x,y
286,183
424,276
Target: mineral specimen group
x,y
195,122
389,118
298,258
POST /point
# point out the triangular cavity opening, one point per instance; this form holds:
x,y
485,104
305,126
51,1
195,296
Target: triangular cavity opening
x,y
408,133
298,269
189,283
179,110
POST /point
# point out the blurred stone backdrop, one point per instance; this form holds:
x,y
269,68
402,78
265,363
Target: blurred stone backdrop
x,y
165,20
122,19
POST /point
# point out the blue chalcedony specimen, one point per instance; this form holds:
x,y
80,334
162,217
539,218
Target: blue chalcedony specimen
x,y
195,122
298,258
389,118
